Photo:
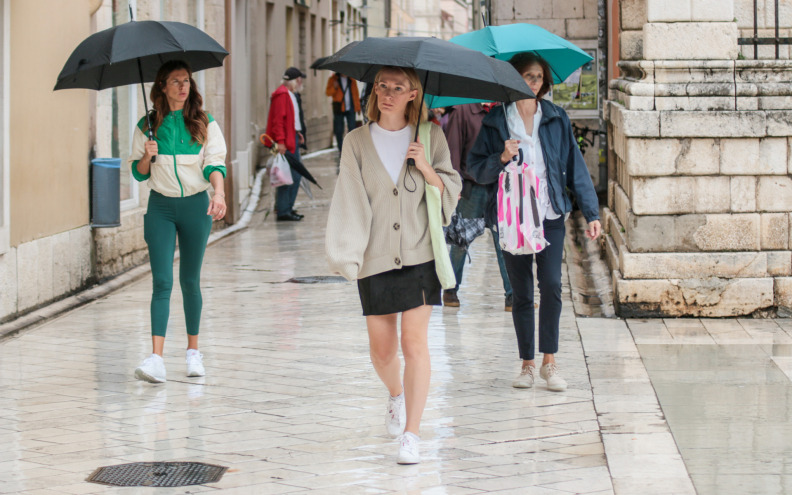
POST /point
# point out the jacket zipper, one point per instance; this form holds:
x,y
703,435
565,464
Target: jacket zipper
x,y
175,171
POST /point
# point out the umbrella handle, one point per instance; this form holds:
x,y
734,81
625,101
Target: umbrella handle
x,y
151,138
410,161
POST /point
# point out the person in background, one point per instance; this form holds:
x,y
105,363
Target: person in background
x,y
464,124
284,126
190,157
543,132
345,102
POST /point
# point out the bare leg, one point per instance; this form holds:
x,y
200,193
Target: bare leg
x,y
417,367
192,342
384,349
158,344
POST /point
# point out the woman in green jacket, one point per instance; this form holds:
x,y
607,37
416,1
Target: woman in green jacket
x,y
190,156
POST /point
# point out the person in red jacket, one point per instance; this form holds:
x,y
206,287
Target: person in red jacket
x,y
285,128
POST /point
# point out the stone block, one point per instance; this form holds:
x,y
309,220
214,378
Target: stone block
x,y
27,275
743,194
81,270
44,266
692,265
581,29
621,204
530,10
690,41
774,102
590,9
782,292
567,9
779,263
504,11
698,104
698,157
774,194
753,156
60,264
650,233
729,233
635,123
712,10
633,14
8,283
611,253
700,297
645,103
680,195
775,231
631,45
712,124
779,123
652,157
668,10
789,156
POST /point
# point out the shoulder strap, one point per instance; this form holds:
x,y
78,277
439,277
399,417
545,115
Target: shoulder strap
x,y
425,134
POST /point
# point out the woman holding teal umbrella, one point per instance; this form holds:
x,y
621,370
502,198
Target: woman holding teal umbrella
x,y
543,133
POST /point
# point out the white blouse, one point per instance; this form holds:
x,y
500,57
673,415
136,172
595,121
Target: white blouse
x,y
532,154
391,148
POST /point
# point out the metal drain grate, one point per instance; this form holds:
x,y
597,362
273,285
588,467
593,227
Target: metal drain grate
x,y
318,279
158,474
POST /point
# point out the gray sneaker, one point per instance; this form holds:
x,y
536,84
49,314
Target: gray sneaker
x,y
525,379
152,369
555,383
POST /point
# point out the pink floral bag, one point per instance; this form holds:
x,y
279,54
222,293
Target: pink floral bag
x,y
519,220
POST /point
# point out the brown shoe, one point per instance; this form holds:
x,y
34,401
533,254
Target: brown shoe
x,y
450,299
508,305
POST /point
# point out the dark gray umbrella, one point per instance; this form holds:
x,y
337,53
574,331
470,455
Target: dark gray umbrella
x,y
133,53
446,69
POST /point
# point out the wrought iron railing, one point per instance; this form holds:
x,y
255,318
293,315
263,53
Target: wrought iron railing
x,y
756,40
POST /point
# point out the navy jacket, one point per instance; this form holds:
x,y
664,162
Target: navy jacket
x,y
565,166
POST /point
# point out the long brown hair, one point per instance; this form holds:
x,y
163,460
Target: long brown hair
x,y
412,113
195,119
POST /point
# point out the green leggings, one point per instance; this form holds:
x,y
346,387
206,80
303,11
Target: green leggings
x,y
165,219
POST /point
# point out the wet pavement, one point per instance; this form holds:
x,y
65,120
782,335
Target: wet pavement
x,y
291,403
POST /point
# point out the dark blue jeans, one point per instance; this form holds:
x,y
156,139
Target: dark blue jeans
x,y
474,207
338,125
548,267
285,196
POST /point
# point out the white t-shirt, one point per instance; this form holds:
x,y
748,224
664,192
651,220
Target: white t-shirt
x,y
391,147
297,125
532,154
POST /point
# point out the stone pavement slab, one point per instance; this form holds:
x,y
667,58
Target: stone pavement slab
x,y
291,403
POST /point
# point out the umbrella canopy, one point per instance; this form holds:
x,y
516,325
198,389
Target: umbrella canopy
x,y
299,167
446,69
318,62
503,42
110,58
463,231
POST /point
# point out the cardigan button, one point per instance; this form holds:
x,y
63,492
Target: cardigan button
x,y
395,192
397,261
396,226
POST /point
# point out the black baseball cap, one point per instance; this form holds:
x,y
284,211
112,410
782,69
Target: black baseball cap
x,y
293,73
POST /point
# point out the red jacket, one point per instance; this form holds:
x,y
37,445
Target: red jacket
x,y
280,122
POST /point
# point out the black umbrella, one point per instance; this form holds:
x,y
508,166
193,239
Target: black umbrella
x,y
446,69
133,53
299,167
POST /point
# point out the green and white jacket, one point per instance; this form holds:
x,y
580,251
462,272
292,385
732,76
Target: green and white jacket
x,y
182,167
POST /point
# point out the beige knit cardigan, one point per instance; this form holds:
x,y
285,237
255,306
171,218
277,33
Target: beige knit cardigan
x,y
375,225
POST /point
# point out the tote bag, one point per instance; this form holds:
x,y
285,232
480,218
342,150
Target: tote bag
x,y
520,228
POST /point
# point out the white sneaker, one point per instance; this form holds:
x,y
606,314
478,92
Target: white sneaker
x,y
408,449
525,379
555,383
397,416
195,365
152,369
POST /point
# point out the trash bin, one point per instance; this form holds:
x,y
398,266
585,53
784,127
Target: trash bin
x,y
105,192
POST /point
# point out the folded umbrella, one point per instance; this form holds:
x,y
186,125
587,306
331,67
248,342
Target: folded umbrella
x,y
299,167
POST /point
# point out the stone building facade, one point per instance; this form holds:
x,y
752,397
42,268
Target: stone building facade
x,y
698,214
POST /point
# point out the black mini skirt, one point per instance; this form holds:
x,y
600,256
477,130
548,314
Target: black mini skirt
x,y
397,291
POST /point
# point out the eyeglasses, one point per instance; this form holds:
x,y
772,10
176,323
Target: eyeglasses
x,y
176,83
385,90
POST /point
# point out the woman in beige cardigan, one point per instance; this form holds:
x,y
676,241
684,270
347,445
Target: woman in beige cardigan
x,y
378,234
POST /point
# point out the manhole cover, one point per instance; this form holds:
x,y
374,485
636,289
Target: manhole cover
x,y
158,474
319,279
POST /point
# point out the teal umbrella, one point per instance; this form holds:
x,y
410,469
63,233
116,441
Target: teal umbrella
x,y
503,42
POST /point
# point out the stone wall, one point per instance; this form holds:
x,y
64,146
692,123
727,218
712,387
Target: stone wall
x,y
698,219
570,19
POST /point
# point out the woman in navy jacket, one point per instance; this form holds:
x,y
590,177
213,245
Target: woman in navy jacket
x,y
543,131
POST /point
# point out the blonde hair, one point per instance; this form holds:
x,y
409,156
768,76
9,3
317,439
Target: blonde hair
x,y
415,111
